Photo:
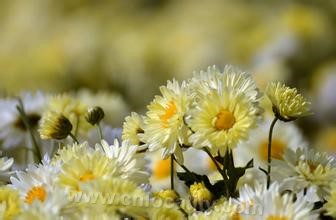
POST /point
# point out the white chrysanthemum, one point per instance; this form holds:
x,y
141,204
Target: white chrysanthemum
x,y
231,78
222,120
5,165
263,203
34,183
164,123
132,165
13,131
285,136
69,152
49,209
287,103
133,130
305,168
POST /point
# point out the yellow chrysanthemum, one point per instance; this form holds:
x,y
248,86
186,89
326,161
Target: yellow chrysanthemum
x,y
164,124
330,206
287,103
86,168
133,129
54,125
69,152
222,120
9,203
71,108
119,194
201,197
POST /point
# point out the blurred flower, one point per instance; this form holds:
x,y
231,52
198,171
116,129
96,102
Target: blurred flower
x,y
288,104
13,131
5,165
10,205
330,206
305,168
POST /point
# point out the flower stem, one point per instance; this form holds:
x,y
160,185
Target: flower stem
x,y
100,132
172,158
269,151
74,138
183,167
226,180
26,122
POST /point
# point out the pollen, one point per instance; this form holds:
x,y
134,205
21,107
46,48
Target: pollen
x,y
170,111
87,176
224,120
37,192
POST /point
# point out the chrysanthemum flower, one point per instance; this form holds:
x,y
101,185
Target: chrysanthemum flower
x,y
222,119
133,130
13,131
232,78
330,206
54,125
85,168
287,103
306,168
170,213
132,165
34,183
10,204
285,136
164,123
271,204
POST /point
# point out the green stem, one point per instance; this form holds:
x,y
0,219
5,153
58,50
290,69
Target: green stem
x,y
74,138
226,180
100,132
172,158
77,125
269,151
183,167
23,116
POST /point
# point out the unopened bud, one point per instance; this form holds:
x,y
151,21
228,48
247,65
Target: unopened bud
x,y
168,195
54,126
201,197
94,115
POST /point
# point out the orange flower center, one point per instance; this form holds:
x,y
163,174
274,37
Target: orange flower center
x,y
170,110
224,120
37,192
278,149
87,176
161,169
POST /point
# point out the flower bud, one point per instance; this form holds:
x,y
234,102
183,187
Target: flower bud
x,y
201,197
94,115
168,195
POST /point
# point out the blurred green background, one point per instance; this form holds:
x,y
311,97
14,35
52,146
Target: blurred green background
x,y
133,46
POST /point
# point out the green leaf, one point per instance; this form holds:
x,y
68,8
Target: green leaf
x,y
190,178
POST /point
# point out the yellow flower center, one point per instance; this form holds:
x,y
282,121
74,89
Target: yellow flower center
x,y
224,120
274,217
170,110
87,176
278,149
162,169
37,192
312,166
236,216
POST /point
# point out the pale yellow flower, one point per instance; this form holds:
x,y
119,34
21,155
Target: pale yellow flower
x,y
9,203
330,206
287,103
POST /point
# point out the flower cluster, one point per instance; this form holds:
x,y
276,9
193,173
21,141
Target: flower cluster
x,y
203,150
